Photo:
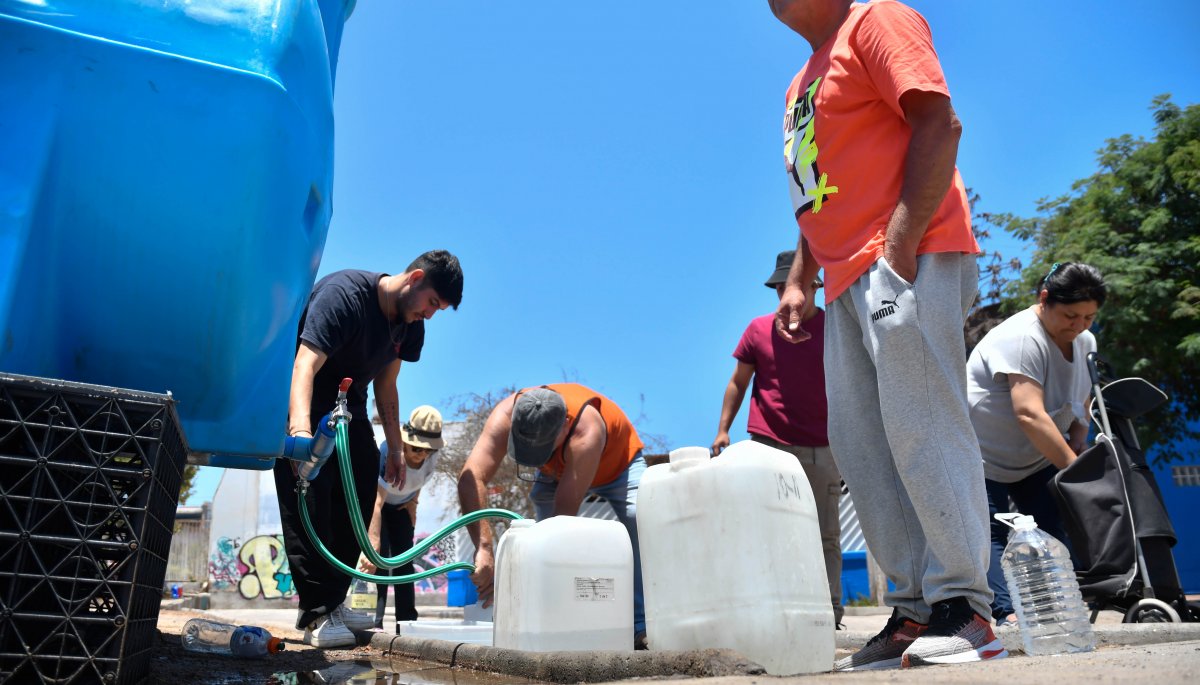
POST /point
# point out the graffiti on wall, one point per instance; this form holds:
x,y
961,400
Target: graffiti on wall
x,y
438,554
223,567
267,572
259,567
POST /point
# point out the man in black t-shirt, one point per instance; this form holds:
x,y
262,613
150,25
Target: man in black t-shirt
x,y
357,325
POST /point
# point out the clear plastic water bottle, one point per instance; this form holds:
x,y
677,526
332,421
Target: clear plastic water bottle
x,y
363,596
1041,582
214,637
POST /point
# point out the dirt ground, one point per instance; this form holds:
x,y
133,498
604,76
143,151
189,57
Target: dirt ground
x,y
173,664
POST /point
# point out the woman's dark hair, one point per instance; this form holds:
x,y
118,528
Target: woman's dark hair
x,y
443,272
1069,282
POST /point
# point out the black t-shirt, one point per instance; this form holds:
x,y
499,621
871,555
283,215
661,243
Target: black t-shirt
x,y
343,320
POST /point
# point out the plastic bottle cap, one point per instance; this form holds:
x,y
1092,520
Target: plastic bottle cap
x,y
1024,522
1016,521
520,523
275,645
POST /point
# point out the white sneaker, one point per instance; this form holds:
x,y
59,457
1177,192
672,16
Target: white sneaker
x,y
357,621
329,631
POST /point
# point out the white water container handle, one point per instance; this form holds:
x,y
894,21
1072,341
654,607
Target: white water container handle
x,y
1016,521
684,457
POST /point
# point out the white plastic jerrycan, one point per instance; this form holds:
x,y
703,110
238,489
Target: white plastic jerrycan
x,y
565,583
731,557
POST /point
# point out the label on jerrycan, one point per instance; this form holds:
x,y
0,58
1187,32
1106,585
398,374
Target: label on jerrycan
x,y
595,589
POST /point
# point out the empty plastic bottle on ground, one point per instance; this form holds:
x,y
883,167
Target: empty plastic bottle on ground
x,y
1045,594
214,637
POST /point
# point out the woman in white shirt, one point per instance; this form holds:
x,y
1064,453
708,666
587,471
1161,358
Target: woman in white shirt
x,y
1027,387
392,525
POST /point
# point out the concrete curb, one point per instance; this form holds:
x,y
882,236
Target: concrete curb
x,y
1120,635
568,667
867,611
198,601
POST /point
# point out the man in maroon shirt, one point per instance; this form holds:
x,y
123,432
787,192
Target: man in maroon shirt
x,y
788,411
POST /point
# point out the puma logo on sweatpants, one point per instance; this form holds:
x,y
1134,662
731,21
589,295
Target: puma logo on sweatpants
x,y
889,308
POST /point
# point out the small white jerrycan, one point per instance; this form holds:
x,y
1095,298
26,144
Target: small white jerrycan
x,y
731,557
565,583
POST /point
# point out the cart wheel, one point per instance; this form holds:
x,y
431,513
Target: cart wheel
x,y
1152,611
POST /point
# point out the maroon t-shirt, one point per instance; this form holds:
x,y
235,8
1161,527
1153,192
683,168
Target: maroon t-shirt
x,y
787,402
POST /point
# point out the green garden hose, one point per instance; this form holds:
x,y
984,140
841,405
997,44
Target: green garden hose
x,y
342,445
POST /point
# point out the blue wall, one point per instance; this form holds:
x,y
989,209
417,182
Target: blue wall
x,y
1183,504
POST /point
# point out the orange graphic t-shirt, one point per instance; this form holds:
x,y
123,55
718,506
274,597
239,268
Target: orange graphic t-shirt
x,y
846,140
621,443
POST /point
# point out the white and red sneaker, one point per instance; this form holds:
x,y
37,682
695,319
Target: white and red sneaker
x,y
956,635
885,649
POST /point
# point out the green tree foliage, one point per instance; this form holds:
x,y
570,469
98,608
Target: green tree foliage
x,y
1137,219
507,490
995,273
185,486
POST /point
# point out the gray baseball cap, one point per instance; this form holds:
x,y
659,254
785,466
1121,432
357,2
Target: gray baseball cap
x,y
538,416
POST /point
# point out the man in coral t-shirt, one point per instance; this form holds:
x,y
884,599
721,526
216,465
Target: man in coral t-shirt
x,y
870,141
787,412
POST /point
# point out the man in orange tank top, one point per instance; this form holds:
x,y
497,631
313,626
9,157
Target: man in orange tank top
x,y
582,443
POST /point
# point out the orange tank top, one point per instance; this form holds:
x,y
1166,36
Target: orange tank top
x,y
621,443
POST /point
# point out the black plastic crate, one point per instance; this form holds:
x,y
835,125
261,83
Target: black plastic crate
x,y
89,482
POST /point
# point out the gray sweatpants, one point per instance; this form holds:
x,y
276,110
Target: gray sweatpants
x,y
895,369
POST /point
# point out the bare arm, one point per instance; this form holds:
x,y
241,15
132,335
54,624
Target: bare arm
x,y
374,530
582,456
1029,405
411,506
735,392
479,469
387,400
309,360
1077,436
928,172
791,304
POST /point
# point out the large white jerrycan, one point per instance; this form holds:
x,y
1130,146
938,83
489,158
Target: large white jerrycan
x,y
565,583
731,557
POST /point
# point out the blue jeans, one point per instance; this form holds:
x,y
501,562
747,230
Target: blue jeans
x,y
1032,498
621,493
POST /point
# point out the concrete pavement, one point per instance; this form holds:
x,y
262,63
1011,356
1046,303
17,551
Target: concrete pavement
x,y
727,667
1176,663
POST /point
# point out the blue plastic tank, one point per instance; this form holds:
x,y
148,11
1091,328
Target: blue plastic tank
x,y
166,170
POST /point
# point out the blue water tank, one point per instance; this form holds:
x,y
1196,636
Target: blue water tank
x,y
166,170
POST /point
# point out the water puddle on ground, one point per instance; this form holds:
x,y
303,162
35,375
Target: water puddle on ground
x,y
393,672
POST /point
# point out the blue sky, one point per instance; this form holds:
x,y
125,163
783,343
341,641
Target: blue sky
x,y
610,174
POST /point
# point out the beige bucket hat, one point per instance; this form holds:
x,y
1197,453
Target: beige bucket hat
x,y
424,428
